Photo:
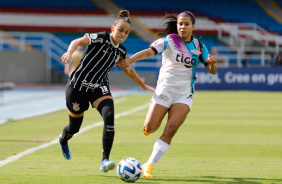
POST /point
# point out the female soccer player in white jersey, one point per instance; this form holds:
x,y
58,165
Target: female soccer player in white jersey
x,y
89,83
181,53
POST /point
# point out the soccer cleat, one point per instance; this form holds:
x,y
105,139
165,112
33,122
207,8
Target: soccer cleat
x,y
65,150
107,165
147,169
145,132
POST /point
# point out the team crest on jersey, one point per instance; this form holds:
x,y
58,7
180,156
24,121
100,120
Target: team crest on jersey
x,y
197,52
163,97
75,106
117,59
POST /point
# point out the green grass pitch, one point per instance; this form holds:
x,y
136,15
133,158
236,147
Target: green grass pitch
x,y
229,137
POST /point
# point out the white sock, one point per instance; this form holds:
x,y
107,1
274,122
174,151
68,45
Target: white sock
x,y
160,148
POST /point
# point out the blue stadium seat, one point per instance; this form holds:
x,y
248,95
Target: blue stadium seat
x,y
49,5
246,11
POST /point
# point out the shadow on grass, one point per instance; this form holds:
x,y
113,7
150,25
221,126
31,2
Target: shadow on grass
x,y
204,179
212,179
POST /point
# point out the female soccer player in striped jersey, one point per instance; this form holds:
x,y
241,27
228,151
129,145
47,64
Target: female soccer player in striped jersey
x,y
175,86
89,83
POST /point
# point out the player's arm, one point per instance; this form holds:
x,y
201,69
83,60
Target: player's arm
x,y
133,75
67,57
211,67
67,69
208,61
146,53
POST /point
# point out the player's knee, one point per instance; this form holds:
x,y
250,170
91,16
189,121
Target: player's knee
x,y
148,129
74,131
109,116
171,130
106,109
74,125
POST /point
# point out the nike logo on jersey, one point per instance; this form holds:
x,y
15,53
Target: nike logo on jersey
x,y
105,52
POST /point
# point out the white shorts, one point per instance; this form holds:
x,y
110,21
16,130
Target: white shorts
x,y
167,98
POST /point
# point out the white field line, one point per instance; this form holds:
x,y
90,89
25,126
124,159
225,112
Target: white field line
x,y
31,150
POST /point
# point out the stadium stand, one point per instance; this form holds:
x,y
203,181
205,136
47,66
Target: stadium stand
x,y
227,26
50,6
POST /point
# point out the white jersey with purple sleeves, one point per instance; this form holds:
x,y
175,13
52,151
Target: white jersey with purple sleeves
x,y
179,62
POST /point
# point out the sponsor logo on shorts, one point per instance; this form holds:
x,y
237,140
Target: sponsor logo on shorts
x,y
163,97
75,106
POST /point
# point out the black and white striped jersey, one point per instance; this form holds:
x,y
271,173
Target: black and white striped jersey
x,y
99,57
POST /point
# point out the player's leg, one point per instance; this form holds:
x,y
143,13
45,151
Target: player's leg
x,y
105,106
176,116
77,103
160,103
153,121
75,121
154,118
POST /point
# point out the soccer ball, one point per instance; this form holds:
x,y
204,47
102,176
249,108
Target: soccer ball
x,y
129,169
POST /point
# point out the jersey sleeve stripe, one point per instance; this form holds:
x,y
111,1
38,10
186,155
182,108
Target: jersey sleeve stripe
x,y
154,49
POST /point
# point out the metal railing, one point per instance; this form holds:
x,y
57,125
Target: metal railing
x,y
241,33
238,53
28,41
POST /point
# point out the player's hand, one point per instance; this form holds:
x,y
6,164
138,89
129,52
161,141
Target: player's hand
x,y
66,58
211,60
149,88
123,63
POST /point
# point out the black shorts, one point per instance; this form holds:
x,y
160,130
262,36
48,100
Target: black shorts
x,y
78,101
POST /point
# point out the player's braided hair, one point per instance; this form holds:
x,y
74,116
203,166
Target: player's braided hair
x,y
170,26
123,15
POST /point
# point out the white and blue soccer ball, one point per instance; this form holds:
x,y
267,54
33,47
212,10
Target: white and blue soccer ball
x,y
129,169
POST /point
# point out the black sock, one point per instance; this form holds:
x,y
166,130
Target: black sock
x,y
106,109
71,129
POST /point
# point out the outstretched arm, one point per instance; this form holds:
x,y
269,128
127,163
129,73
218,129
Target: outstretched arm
x,y
67,57
133,75
212,68
146,53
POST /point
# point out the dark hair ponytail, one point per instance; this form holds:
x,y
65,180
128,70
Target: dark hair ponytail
x,y
170,25
122,15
